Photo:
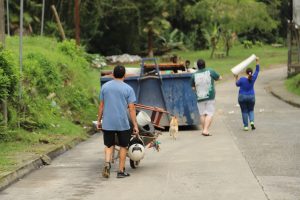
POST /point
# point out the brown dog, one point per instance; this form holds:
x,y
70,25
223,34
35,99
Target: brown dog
x,y
173,130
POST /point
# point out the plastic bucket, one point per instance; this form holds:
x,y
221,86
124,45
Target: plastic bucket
x,y
143,118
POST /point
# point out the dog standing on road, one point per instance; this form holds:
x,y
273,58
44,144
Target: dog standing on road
x,y
173,130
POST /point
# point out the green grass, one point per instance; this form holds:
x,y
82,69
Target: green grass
x,y
48,47
18,145
293,84
269,57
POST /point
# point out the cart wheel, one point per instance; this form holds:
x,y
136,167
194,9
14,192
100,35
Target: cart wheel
x,y
134,164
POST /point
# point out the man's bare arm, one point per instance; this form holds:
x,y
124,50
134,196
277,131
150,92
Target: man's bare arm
x,y
100,113
132,114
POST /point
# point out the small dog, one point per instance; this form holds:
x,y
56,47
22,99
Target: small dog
x,y
173,130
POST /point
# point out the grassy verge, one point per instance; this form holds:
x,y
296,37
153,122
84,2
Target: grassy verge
x,y
269,57
52,121
293,84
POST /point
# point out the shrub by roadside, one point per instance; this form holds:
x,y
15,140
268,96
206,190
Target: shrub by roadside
x,y
293,84
59,97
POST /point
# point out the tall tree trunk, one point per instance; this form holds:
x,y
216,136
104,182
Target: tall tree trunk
x,y
213,47
150,43
2,41
227,49
60,28
212,52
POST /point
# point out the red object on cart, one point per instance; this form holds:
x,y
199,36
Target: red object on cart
x,y
156,114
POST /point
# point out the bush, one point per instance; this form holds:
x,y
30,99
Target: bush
x,y
76,98
41,74
247,44
3,133
49,67
259,43
69,48
4,84
8,74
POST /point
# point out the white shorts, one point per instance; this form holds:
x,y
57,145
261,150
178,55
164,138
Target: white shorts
x,y
206,107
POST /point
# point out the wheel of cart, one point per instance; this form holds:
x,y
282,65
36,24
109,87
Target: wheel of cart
x,y
146,142
148,135
136,151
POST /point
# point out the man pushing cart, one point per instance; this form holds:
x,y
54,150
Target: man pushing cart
x,y
116,98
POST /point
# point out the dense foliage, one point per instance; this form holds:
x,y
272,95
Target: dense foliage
x,y
144,26
57,85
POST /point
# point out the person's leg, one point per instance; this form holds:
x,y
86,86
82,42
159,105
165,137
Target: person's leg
x,y
202,121
209,110
244,111
124,138
207,123
108,154
201,108
108,137
251,111
123,152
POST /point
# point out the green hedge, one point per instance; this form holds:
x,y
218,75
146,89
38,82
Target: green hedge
x,y
58,86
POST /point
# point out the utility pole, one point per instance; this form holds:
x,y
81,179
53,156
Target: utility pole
x,y
2,22
77,22
43,15
21,57
2,42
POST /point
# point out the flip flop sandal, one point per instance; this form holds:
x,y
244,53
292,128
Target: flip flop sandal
x,y
206,134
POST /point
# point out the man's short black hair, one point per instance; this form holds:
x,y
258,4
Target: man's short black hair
x,y
201,64
119,71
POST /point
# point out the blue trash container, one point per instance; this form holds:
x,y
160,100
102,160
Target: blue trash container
x,y
171,92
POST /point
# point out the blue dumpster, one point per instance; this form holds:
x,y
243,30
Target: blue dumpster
x,y
171,92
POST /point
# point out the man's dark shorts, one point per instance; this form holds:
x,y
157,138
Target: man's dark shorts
x,y
123,138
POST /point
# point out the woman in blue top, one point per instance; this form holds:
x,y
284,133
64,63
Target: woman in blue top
x,y
247,95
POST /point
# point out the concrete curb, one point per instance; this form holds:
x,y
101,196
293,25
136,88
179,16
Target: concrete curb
x,y
36,163
279,91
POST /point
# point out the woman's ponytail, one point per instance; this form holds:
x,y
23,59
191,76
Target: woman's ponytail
x,y
249,72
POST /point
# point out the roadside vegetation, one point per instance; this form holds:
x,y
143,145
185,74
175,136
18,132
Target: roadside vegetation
x,y
58,101
270,57
293,84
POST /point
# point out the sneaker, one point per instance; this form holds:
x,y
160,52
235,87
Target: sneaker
x,y
106,170
122,174
246,128
252,125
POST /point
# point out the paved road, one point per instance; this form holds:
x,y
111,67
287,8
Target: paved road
x,y
231,164
273,150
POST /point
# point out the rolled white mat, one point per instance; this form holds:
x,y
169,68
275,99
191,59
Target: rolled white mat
x,y
238,68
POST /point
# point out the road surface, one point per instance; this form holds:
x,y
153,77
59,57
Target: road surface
x,y
232,164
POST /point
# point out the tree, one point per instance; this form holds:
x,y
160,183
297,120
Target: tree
x,y
154,27
154,19
213,36
119,29
32,13
231,16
